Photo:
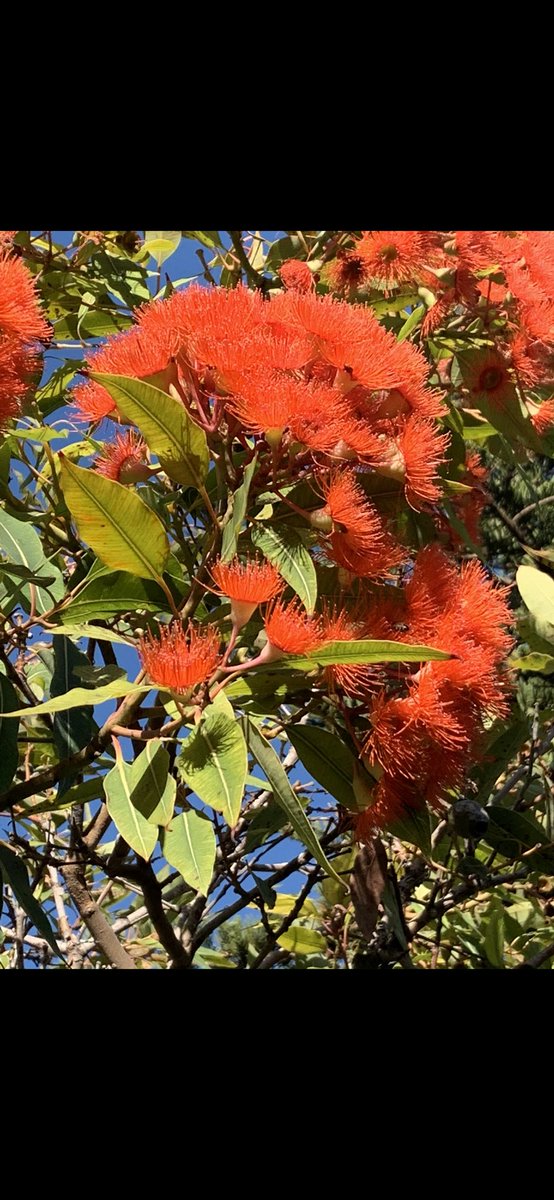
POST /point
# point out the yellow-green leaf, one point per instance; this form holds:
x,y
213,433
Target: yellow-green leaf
x,y
161,244
119,788
334,653
286,550
300,940
121,529
536,588
165,425
214,762
79,696
189,846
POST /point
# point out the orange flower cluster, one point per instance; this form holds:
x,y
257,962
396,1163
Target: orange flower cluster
x,y
180,658
22,325
425,733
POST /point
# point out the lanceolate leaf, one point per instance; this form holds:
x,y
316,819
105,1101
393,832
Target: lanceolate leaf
x,y
79,696
240,500
15,874
326,758
73,728
21,545
334,653
90,631
9,756
153,787
119,787
286,550
536,588
165,425
108,594
189,846
276,775
112,519
214,763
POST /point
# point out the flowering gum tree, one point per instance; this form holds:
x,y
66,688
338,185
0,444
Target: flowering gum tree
x,y
259,678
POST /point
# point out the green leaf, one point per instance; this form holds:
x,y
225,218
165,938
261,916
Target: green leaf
x,y
153,787
161,245
124,533
109,593
22,546
533,662
119,789
512,833
180,445
335,653
494,936
189,845
97,632
79,696
411,323
72,729
15,872
300,940
9,754
413,826
240,501
214,763
503,744
536,588
326,758
208,237
286,550
283,793
480,432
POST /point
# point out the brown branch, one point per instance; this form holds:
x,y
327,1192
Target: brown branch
x,y
531,507
94,919
152,892
537,960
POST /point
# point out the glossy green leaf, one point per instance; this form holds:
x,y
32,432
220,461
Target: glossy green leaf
x,y
153,787
22,546
189,845
214,764
9,754
161,244
208,237
72,728
82,630
503,743
411,323
121,529
413,827
335,653
283,793
119,788
108,594
240,501
536,589
79,696
326,758
180,445
15,873
286,550
300,940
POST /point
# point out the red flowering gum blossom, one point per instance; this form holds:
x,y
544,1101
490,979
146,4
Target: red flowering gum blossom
x,y
394,256
413,453
247,584
124,459
180,658
359,540
17,365
20,315
290,630
296,275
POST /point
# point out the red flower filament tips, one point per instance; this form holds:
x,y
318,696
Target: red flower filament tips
x,y
124,459
247,584
179,658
